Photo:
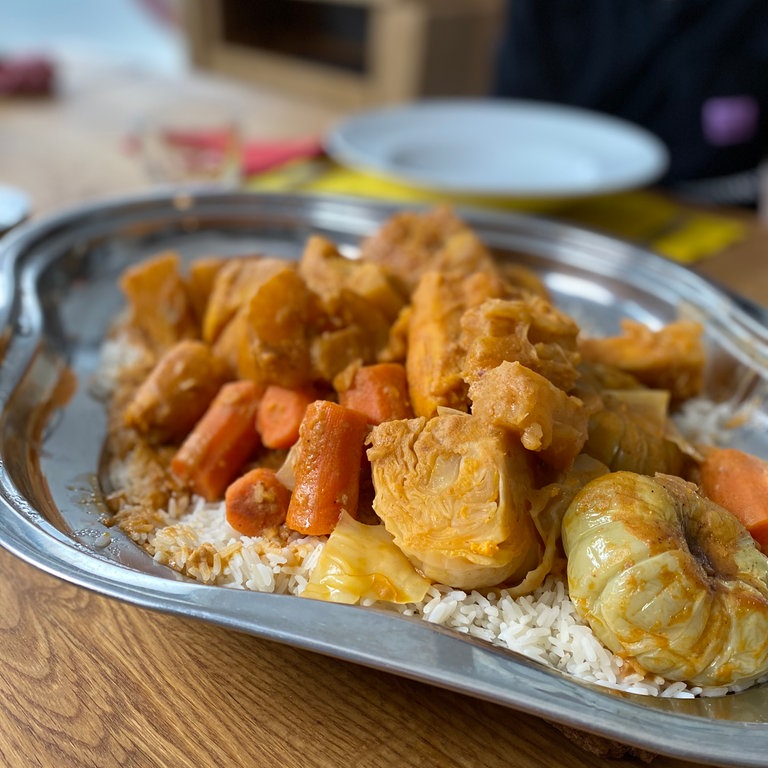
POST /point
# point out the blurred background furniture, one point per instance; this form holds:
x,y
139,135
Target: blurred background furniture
x,y
349,53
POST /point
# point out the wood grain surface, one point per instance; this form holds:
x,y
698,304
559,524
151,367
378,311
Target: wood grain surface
x,y
89,681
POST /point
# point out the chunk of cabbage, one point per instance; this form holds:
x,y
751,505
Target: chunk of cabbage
x,y
453,491
360,563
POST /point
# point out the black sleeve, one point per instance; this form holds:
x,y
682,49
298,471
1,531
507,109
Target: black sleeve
x,y
694,72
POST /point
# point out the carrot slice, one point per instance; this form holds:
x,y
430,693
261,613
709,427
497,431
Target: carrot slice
x,y
327,469
280,413
759,533
738,481
221,442
256,501
379,391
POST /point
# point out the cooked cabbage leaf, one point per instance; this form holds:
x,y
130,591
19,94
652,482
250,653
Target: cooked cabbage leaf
x,y
453,491
360,563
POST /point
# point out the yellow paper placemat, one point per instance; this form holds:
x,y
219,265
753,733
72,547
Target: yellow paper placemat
x,y
654,220
644,217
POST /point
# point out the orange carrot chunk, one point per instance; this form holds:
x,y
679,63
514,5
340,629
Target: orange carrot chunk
x,y
280,413
221,442
380,392
738,481
759,533
327,469
256,501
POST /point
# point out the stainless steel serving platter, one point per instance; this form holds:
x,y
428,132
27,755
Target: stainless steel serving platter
x,y
58,295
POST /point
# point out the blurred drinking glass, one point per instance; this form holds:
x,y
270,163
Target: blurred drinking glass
x,y
194,142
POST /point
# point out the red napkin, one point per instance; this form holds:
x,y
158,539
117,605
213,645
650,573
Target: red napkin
x,y
261,156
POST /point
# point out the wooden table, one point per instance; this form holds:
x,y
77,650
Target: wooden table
x,y
89,681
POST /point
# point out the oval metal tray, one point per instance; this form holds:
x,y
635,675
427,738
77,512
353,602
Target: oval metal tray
x,y
58,295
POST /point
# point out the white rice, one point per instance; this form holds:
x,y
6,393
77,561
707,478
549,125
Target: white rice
x,y
543,626
205,547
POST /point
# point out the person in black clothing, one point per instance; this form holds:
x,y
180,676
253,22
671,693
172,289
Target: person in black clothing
x,y
693,72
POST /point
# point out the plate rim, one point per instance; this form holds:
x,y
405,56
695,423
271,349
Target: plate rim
x,y
340,145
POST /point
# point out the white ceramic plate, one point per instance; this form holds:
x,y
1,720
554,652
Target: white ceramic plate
x,y
500,147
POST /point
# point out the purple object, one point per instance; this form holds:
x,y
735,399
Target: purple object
x,y
729,120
